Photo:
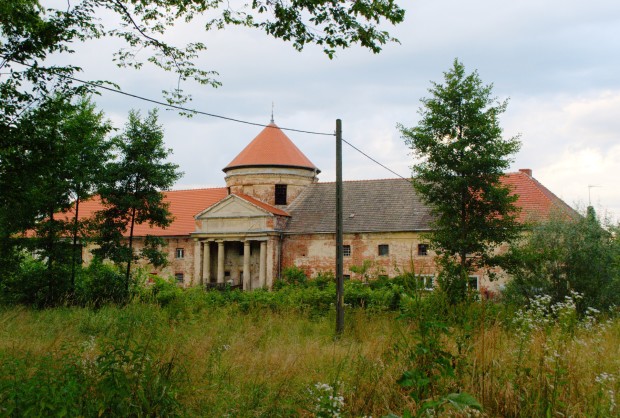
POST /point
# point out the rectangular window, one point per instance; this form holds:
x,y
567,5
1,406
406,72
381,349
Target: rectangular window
x,y
384,250
422,249
346,277
280,194
346,251
426,281
179,277
473,282
180,253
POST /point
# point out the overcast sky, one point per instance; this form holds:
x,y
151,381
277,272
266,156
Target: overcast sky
x,y
557,61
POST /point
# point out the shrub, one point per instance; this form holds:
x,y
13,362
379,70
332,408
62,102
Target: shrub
x,y
162,291
323,279
36,284
291,276
100,284
567,254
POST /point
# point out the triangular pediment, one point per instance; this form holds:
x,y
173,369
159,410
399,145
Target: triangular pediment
x,y
233,207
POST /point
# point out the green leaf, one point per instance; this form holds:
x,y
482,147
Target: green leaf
x,y
463,400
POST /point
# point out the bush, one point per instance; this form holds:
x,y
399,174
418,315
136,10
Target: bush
x,y
291,276
100,284
564,255
35,284
162,291
323,279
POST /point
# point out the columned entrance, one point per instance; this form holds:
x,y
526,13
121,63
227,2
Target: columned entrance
x,y
238,261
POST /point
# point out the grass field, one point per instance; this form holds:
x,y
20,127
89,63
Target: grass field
x,y
189,359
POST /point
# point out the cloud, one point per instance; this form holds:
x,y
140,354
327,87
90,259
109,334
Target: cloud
x,y
571,142
557,60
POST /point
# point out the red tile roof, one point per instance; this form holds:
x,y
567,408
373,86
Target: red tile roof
x,y
535,200
271,148
184,205
262,205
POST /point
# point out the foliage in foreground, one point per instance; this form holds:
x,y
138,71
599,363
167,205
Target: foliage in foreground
x,y
196,355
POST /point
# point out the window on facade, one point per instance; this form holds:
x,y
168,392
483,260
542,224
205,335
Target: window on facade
x,y
384,250
241,247
346,251
422,249
426,281
473,282
179,277
346,277
280,194
180,253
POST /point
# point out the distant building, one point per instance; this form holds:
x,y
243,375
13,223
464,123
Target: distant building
x,y
273,213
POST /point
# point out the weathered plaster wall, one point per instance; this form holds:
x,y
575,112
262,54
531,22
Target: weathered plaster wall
x,y
259,182
176,265
315,253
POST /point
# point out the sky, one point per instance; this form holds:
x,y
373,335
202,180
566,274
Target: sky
x,y
558,63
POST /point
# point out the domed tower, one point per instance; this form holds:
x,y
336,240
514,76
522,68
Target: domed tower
x,y
271,168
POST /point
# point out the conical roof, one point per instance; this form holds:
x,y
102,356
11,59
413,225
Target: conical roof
x,y
271,148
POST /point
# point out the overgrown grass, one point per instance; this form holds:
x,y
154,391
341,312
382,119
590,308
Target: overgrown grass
x,y
274,354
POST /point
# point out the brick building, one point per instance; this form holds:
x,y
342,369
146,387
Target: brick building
x,y
274,213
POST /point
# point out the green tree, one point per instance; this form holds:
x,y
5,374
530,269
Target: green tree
x,y
567,253
462,159
55,162
132,190
87,157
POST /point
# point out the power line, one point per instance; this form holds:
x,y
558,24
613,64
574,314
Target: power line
x,y
185,109
213,115
372,159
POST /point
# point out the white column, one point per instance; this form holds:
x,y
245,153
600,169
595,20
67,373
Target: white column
x,y
196,277
263,264
220,261
206,263
247,282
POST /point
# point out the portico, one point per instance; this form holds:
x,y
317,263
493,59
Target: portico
x,y
237,242
236,260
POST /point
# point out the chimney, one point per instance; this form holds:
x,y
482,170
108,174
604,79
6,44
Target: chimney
x,y
527,171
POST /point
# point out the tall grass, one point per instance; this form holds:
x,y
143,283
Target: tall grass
x,y
201,356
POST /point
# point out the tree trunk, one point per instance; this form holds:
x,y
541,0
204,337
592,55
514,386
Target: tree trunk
x,y
50,256
133,217
74,248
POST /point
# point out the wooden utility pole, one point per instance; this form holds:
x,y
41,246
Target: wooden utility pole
x,y
339,254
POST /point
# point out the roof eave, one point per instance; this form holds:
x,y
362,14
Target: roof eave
x,y
227,168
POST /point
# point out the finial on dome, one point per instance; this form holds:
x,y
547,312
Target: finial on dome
x,y
272,113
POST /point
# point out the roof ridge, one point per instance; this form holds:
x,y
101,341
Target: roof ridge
x,y
363,180
190,189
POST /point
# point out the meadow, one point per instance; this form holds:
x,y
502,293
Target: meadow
x,y
274,354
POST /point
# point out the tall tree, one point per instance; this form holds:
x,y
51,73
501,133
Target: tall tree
x,y
462,158
132,192
88,153
55,162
